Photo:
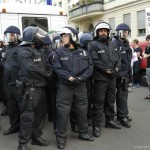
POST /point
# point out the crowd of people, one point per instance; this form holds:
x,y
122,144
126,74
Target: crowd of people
x,y
82,77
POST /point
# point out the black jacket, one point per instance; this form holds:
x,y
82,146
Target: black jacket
x,y
104,56
10,64
32,66
69,63
126,55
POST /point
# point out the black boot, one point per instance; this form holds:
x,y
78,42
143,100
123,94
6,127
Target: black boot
x,y
112,124
39,141
60,145
96,131
129,118
124,122
11,130
23,147
86,137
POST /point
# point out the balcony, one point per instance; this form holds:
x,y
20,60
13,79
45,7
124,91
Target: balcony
x,y
86,10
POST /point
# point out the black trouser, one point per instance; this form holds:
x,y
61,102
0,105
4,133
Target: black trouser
x,y
66,96
89,85
104,99
136,69
122,98
33,113
2,93
73,118
51,90
13,98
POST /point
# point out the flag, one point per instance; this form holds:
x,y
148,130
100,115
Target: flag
x,y
49,2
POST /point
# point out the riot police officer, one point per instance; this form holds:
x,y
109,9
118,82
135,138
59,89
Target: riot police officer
x,y
124,73
10,65
73,66
2,93
56,43
84,39
106,62
46,51
32,88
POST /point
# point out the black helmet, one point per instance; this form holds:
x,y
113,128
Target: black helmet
x,y
57,40
32,35
57,37
12,29
85,38
123,26
11,34
123,30
70,31
46,40
148,37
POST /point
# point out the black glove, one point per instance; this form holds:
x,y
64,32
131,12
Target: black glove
x,y
75,82
113,74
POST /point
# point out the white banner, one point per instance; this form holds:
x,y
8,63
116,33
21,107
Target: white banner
x,y
148,18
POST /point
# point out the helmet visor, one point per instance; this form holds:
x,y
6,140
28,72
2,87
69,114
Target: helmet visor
x,y
123,34
57,43
11,37
40,33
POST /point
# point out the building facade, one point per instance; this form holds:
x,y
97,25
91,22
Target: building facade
x,y
132,12
25,1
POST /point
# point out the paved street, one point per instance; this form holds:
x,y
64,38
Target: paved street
x,y
135,138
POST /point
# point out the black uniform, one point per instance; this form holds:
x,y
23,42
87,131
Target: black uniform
x,y
1,75
11,74
33,104
123,79
51,84
104,56
75,63
2,94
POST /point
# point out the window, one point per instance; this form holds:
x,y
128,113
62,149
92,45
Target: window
x,y
127,20
41,22
112,24
141,23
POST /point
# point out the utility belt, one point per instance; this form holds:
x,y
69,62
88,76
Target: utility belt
x,y
123,80
22,87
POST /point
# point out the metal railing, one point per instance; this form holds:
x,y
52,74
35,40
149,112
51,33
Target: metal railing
x,y
86,9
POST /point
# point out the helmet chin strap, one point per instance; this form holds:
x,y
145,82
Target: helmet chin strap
x,y
12,43
103,39
67,45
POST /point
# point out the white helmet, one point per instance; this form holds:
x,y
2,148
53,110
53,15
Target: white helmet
x,y
70,31
101,25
